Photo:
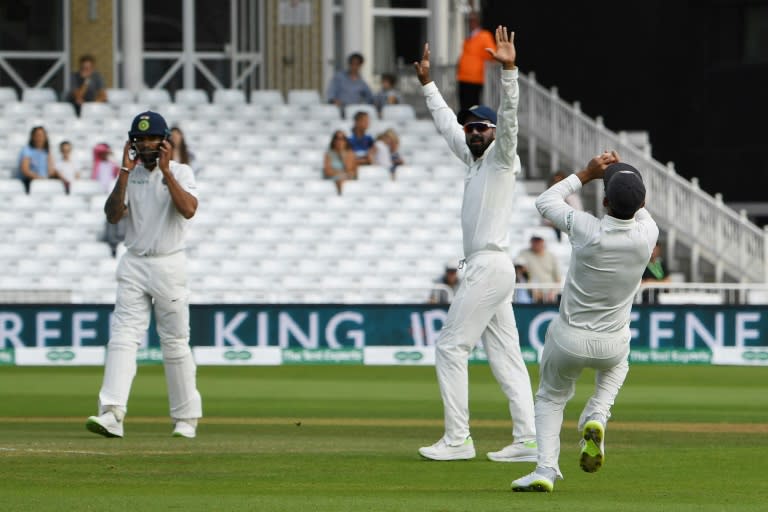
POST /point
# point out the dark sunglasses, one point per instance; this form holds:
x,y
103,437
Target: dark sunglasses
x,y
478,127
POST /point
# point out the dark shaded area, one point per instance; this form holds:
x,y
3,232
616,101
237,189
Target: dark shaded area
x,y
692,74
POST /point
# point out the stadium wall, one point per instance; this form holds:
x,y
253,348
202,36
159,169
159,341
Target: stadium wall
x,y
367,334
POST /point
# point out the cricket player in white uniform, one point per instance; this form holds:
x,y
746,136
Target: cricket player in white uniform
x,y
482,307
592,330
157,196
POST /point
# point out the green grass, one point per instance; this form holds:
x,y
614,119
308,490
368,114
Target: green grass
x,y
339,438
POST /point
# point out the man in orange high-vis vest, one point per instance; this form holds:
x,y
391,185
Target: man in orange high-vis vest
x,y
470,74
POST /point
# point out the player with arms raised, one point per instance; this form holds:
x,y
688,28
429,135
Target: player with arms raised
x,y
487,144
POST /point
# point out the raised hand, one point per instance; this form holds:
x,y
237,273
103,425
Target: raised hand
x,y
505,48
596,167
422,68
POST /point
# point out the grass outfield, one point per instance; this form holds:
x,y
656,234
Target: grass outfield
x,y
343,438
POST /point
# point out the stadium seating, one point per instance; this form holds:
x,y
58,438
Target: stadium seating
x,y
39,95
268,227
117,96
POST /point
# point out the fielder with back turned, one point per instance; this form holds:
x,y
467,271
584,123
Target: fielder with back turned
x,y
157,196
482,307
592,330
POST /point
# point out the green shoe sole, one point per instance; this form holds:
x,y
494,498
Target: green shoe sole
x,y
592,457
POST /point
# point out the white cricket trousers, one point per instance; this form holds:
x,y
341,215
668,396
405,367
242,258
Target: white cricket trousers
x,y
144,282
482,308
567,351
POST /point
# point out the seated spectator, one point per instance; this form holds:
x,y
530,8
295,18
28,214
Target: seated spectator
x,y
181,152
388,95
348,87
339,162
655,272
361,143
544,268
522,295
387,151
449,282
35,159
86,84
66,168
574,200
104,169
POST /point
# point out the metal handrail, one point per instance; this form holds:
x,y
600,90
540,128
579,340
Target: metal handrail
x,y
714,231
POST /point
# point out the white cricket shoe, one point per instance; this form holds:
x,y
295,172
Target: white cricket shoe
x,y
106,425
534,482
441,450
523,451
185,428
592,446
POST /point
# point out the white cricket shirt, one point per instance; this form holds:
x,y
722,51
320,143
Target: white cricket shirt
x,y
608,259
489,183
155,227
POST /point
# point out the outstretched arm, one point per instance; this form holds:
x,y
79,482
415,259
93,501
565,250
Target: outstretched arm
x,y
444,117
506,126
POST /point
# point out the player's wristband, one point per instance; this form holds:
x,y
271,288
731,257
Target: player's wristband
x,y
125,169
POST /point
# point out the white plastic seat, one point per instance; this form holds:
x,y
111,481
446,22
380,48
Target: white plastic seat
x,y
212,111
324,112
400,112
39,95
153,97
229,97
59,111
93,110
353,108
194,97
118,96
11,187
303,97
85,187
42,188
266,97
22,110
8,94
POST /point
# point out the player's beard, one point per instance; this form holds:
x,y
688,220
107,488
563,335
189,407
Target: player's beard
x,y
149,157
477,150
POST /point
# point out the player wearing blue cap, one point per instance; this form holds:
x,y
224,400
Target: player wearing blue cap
x,y
157,196
592,330
487,144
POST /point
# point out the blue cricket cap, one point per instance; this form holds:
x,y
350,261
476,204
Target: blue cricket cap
x,y
148,123
624,189
479,111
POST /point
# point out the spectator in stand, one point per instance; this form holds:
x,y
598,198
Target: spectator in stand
x,y
573,200
339,162
544,268
35,159
86,84
655,272
181,152
470,74
522,295
388,95
448,284
348,87
105,170
387,152
67,169
361,143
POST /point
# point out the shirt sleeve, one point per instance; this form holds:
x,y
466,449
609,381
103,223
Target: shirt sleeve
x,y
446,123
186,178
648,226
553,207
333,88
506,126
